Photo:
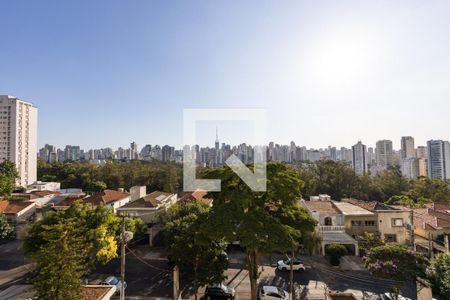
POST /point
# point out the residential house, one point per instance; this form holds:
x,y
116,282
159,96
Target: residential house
x,y
432,227
357,220
149,208
44,186
393,222
110,198
331,223
18,213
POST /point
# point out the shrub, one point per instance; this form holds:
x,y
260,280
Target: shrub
x,y
335,252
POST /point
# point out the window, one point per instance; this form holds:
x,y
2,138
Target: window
x,y
328,221
397,222
390,238
356,223
369,223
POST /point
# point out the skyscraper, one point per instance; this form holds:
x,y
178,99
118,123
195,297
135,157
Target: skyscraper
x,y
438,159
359,158
384,154
407,147
18,135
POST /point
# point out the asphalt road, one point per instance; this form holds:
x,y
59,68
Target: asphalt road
x,y
148,275
10,256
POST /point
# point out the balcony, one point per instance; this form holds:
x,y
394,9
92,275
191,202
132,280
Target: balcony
x,y
332,228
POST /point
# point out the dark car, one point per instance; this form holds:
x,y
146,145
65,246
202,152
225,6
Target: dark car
x,y
219,291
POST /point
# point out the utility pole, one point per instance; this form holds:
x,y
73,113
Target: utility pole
x,y
430,245
122,259
291,275
413,241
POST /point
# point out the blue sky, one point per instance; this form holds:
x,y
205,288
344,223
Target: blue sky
x,y
105,73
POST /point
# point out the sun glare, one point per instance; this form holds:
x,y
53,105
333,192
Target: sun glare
x,y
342,58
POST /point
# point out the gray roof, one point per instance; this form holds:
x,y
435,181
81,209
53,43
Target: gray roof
x,y
338,237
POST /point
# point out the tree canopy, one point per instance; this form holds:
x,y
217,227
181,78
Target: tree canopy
x,y
8,176
5,229
200,257
163,176
262,222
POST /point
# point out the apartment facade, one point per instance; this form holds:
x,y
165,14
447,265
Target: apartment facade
x,y
359,160
438,159
384,154
18,137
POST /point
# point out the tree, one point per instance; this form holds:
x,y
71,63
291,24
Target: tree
x,y
5,229
335,252
61,262
311,242
438,272
262,222
68,244
396,262
96,186
429,190
137,227
192,250
392,183
8,176
368,241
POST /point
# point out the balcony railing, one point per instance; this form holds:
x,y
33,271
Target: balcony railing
x,y
332,228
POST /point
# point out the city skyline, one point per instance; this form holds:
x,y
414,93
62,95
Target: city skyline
x,y
334,72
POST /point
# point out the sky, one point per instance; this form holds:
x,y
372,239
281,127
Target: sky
x,y
105,73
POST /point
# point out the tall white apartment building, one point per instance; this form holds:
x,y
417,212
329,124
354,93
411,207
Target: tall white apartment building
x,y
384,154
359,158
18,137
407,147
438,159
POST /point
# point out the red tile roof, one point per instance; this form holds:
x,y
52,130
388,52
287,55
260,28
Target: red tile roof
x,y
95,292
13,207
106,197
430,219
326,207
198,195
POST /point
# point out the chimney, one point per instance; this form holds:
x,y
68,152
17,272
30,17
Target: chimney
x,y
137,192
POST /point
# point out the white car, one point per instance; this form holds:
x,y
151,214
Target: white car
x,y
268,292
388,296
113,281
285,265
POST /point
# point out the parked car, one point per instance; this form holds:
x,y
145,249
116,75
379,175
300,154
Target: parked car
x,y
388,296
269,292
219,291
285,265
114,281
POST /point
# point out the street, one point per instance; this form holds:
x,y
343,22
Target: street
x,y
149,276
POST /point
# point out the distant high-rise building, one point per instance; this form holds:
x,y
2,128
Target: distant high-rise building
x,y
18,137
410,168
384,154
421,152
359,158
438,159
216,143
133,151
407,147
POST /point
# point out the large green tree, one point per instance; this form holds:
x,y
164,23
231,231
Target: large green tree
x,y
262,222
68,244
8,176
192,250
